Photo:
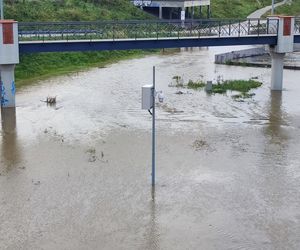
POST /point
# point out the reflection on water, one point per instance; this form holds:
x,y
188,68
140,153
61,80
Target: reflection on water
x,y
275,163
10,154
153,235
277,119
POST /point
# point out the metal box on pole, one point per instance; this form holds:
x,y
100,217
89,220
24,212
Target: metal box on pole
x,y
147,96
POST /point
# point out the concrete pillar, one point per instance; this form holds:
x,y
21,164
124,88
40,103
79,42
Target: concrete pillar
x,y
277,70
9,56
160,12
8,89
8,120
285,42
208,11
183,9
182,17
193,12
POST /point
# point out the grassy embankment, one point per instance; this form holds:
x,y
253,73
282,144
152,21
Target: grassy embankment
x,y
292,9
38,66
236,8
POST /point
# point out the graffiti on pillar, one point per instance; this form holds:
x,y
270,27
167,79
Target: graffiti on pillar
x,y
4,99
13,88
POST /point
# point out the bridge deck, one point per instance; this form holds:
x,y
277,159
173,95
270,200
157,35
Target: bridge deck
x,y
127,44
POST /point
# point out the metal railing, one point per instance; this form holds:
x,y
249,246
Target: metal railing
x,y
297,25
153,29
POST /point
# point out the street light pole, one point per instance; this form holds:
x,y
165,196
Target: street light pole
x,y
273,7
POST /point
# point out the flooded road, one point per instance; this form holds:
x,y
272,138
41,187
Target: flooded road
x,y
77,175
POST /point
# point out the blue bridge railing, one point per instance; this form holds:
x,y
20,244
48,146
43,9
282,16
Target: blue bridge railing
x,y
152,29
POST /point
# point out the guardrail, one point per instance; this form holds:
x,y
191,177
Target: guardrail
x,y
152,29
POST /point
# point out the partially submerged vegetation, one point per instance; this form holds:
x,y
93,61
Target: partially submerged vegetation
x,y
195,85
221,86
242,86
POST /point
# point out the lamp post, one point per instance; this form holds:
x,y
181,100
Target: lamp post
x,y
273,7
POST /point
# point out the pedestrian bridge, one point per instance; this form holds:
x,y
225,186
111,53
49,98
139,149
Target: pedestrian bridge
x,y
123,35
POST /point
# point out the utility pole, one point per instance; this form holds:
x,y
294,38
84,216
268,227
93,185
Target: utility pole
x,y
273,7
153,129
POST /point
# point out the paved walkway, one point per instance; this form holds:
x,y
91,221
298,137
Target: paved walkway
x,y
260,12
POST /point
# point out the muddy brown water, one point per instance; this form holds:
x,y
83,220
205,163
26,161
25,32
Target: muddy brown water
x,y
77,175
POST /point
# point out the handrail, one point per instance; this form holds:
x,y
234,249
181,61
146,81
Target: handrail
x,y
152,29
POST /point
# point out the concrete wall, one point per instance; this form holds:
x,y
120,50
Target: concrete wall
x,y
296,47
225,57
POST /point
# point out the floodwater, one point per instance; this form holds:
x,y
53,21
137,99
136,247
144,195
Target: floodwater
x,y
77,175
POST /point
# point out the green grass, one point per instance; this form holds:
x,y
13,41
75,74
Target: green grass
x,y
195,85
43,65
242,86
72,10
289,9
235,8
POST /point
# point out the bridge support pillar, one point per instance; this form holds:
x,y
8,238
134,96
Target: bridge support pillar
x,y
8,89
285,44
277,70
9,56
160,14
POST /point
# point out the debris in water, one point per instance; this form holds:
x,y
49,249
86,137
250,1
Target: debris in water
x,y
36,182
92,158
50,100
168,109
199,144
92,152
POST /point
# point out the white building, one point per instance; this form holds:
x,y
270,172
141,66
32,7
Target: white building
x,y
165,7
